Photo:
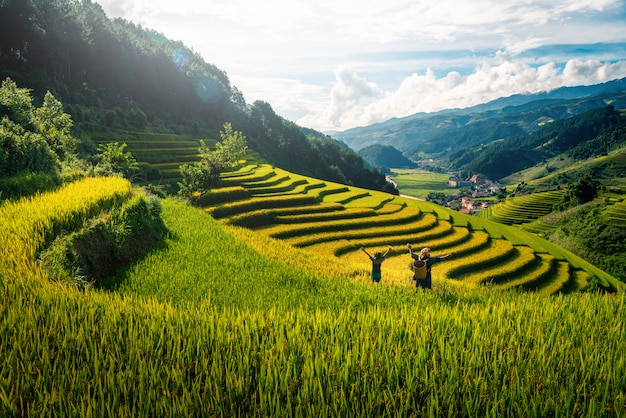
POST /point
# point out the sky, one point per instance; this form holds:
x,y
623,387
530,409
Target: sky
x,y
333,65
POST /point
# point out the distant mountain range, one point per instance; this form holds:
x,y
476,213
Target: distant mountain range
x,y
441,135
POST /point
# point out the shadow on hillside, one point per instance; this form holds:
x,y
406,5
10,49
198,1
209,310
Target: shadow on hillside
x,y
113,282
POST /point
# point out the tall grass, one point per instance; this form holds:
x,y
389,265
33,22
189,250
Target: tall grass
x,y
201,264
221,322
27,224
474,355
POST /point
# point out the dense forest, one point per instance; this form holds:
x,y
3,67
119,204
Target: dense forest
x,y
583,136
113,76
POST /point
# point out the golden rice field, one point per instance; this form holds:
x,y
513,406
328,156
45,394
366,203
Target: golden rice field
x,y
376,220
221,320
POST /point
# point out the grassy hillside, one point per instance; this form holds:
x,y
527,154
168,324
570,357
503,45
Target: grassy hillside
x,y
336,220
610,169
594,231
220,320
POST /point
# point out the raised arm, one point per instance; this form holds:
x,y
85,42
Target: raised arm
x,y
388,251
368,254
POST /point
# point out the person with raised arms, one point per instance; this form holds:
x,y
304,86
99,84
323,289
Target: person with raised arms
x,y
422,266
377,259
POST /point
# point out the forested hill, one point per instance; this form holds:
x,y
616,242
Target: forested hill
x,y
590,134
385,157
454,137
113,76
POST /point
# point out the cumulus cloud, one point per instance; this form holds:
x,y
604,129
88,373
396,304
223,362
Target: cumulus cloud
x,y
333,65
347,98
352,105
348,94
591,71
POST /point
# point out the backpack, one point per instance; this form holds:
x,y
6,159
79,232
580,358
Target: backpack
x,y
420,269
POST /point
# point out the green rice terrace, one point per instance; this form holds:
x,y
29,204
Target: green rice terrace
x,y
616,212
335,221
259,303
161,155
522,209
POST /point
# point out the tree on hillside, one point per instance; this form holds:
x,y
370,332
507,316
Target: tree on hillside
x,y
16,103
32,139
583,191
232,148
201,176
114,160
55,125
89,61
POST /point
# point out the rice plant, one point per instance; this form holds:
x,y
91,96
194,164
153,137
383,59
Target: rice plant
x,y
223,321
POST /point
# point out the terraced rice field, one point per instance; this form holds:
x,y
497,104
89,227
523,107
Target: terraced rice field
x,y
161,154
523,209
616,212
539,227
335,221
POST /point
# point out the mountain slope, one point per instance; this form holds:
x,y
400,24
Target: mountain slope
x,y
385,157
287,207
197,343
581,136
440,133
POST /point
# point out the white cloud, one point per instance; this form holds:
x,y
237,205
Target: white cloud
x,y
349,24
332,65
578,72
347,98
282,93
427,93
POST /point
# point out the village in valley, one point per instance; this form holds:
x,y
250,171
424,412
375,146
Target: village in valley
x,y
473,196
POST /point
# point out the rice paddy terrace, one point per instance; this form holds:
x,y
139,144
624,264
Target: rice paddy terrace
x,y
527,211
161,155
336,220
523,209
616,213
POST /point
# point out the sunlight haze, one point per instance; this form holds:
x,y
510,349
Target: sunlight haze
x,y
335,65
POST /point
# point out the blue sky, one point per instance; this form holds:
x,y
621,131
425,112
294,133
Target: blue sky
x,y
336,64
